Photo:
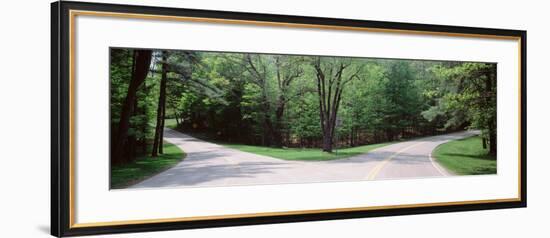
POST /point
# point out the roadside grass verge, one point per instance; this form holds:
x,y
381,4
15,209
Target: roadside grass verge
x,y
145,167
465,157
306,154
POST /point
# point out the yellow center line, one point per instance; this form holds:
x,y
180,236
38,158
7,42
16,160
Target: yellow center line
x,y
374,172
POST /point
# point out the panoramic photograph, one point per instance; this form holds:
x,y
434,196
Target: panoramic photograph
x,y
186,118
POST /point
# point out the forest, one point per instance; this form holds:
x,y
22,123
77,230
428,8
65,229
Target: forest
x,y
292,101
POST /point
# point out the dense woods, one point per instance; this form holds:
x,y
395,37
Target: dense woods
x,y
293,101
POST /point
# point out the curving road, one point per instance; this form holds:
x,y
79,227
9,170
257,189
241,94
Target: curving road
x,y
209,164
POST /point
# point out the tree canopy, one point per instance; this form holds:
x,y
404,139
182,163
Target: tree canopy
x,y
293,101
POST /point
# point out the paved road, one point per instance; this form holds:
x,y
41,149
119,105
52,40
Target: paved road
x,y
209,164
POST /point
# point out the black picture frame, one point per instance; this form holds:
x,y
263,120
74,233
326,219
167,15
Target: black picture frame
x,y
61,124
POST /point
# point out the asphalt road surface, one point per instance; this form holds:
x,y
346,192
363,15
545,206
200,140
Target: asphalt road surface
x,y
209,164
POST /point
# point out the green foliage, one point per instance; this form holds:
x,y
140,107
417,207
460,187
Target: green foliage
x,y
262,99
171,123
466,97
120,74
305,118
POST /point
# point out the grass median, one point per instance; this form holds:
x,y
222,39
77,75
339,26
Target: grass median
x,y
306,154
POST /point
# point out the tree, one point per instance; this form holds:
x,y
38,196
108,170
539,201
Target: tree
x,y
291,101
139,72
161,108
468,97
231,78
287,69
257,67
304,115
401,98
332,78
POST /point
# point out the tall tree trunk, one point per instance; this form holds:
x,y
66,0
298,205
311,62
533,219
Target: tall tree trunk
x,y
132,140
268,124
330,94
268,131
130,152
492,140
161,138
145,123
159,128
490,84
351,137
177,119
143,61
277,132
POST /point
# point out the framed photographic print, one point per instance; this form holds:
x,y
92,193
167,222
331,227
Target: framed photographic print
x,y
166,118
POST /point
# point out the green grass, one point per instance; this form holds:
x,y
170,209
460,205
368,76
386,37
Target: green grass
x,y
170,123
144,167
307,154
466,157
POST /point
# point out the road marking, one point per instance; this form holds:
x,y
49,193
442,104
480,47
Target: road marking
x,y
437,167
374,172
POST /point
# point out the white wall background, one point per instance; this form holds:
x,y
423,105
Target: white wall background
x,y
25,118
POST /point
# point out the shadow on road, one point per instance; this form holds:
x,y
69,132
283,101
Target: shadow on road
x,y
209,164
